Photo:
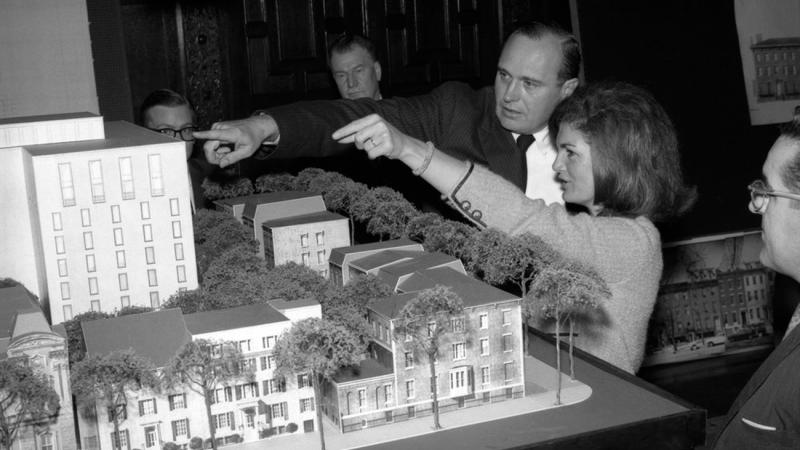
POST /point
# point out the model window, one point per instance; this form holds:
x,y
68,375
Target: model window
x,y
304,240
60,245
306,258
362,398
409,358
457,324
507,343
64,290
86,218
120,259
321,238
46,441
176,229
144,208
118,236
90,265
121,440
152,279
126,177
156,179
95,305
154,301
388,393
115,215
410,392
88,240
147,233
174,208
485,375
93,286
508,370
306,404
62,267
507,317
57,226
96,178
484,346
67,188
123,281
149,255
268,341
179,252
459,350
181,274
67,309
303,381
321,259
125,301
180,428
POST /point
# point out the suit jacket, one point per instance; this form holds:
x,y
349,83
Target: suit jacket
x,y
766,414
458,120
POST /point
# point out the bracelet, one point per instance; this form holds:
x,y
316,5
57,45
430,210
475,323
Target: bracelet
x,y
425,162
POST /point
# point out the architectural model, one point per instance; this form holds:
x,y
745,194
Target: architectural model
x,y
241,412
25,333
485,362
291,227
99,216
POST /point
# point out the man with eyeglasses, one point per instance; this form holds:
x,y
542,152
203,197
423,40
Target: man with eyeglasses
x,y
170,113
766,414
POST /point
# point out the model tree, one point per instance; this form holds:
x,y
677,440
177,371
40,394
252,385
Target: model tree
x,y
417,226
320,348
26,399
203,366
390,219
565,293
449,237
192,301
274,182
347,305
107,378
427,319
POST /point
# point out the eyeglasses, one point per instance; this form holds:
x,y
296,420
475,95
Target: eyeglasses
x,y
760,194
184,134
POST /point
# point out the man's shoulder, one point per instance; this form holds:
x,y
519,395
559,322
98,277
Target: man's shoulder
x,y
459,87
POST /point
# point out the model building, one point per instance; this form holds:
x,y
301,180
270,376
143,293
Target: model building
x,y
101,213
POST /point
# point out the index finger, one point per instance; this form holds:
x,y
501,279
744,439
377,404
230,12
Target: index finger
x,y
346,134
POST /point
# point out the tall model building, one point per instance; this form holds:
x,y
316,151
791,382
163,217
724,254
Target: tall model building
x,y
99,222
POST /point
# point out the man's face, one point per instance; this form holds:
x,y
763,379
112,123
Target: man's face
x,y
526,86
356,74
175,117
781,220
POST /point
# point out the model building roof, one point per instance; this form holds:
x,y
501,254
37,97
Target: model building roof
x,y
472,292
277,205
119,135
338,254
282,305
226,319
367,368
157,335
323,216
47,118
778,42
13,300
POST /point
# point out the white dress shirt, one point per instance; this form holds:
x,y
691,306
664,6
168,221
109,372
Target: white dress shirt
x,y
542,181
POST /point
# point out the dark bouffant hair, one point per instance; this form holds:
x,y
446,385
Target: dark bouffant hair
x,y
634,149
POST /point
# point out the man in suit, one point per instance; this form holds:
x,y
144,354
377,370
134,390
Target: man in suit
x,y
538,67
766,414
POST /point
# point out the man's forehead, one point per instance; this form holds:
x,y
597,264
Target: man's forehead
x,y
521,50
354,52
165,114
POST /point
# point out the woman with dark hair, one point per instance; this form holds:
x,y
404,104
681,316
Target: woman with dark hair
x,y
617,160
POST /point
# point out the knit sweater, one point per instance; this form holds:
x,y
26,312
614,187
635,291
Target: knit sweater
x,y
625,252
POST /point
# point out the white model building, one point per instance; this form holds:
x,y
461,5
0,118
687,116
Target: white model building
x,y
25,333
246,412
98,223
291,227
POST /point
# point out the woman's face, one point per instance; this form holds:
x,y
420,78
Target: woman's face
x,y
573,167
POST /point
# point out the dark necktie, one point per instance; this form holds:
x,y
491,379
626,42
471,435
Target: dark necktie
x,y
523,142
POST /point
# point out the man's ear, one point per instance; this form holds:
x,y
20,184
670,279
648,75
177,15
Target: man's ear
x,y
377,67
568,87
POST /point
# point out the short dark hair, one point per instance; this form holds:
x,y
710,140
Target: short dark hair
x,y
790,175
347,41
634,150
162,97
570,48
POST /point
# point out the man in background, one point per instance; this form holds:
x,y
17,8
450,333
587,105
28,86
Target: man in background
x,y
170,113
766,414
503,127
355,67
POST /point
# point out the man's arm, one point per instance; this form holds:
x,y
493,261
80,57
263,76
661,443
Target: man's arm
x,y
305,128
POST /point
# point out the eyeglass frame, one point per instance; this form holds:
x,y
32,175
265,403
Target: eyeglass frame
x,y
758,189
173,133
